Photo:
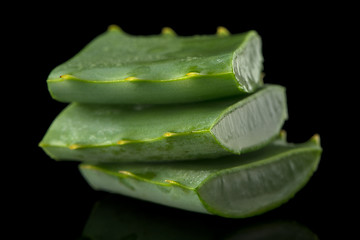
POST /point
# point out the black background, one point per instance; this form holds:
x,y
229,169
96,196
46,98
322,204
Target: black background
x,y
301,47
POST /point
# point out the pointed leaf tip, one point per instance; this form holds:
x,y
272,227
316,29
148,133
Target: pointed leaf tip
x,y
168,134
191,74
171,181
67,76
86,166
174,183
222,31
122,142
168,31
126,173
74,146
114,27
131,78
316,138
283,134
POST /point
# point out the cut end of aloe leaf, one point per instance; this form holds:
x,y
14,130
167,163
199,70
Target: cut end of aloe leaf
x,y
257,187
253,123
248,64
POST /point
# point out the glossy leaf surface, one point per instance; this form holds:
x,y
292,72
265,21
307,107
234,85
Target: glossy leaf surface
x,y
108,133
233,186
159,69
117,217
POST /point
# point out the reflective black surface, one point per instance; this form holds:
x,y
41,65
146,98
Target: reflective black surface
x,y
50,200
124,218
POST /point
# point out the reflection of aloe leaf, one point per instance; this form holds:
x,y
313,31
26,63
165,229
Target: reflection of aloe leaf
x,y
277,230
132,236
127,219
234,186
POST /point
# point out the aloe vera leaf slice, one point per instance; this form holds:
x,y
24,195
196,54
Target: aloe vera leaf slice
x,y
88,132
121,68
234,186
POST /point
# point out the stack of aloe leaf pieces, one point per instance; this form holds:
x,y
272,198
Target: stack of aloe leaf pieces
x,y
183,121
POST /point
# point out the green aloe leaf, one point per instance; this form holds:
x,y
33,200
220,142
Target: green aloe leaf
x,y
107,133
119,218
233,186
120,68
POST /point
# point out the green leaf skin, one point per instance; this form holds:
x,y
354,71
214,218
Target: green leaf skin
x,y
233,186
159,69
113,133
